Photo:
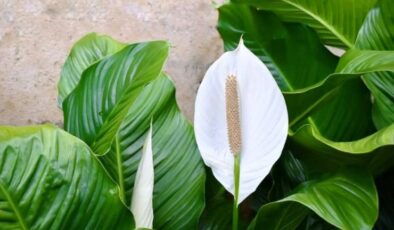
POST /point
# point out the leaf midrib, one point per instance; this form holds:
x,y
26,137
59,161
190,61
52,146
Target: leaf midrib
x,y
18,215
311,107
323,22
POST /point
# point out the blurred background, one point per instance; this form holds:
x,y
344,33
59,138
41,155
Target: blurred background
x,y
37,35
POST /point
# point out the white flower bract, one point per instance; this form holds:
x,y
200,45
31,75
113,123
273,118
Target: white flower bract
x,y
263,120
141,202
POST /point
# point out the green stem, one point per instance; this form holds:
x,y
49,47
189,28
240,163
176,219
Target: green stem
x,y
236,191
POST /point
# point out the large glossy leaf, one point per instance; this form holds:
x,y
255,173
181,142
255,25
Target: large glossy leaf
x,y
336,107
347,200
307,82
84,53
114,80
385,184
283,178
314,222
292,52
51,180
351,66
332,133
321,154
366,61
287,174
347,116
336,21
377,33
111,109
280,48
217,214
178,196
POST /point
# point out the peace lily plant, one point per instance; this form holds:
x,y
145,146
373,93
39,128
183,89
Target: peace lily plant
x,y
240,122
127,158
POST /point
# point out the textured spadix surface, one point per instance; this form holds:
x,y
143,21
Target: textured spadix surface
x,y
263,118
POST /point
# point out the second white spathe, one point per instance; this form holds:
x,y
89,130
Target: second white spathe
x,y
142,199
263,118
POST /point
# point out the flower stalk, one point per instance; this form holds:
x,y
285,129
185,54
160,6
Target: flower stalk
x,y
236,190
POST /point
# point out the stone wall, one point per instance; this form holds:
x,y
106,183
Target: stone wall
x,y
36,36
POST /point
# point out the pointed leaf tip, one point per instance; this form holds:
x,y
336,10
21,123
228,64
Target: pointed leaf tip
x,y
141,203
263,120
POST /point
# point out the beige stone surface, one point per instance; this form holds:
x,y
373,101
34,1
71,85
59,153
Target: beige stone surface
x,y
36,36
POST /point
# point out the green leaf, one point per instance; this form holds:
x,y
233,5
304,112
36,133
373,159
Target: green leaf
x,y
336,21
365,61
51,180
352,65
330,137
307,82
337,104
218,210
217,214
178,197
84,53
321,154
347,200
377,33
286,174
292,52
385,184
111,109
114,80
283,178
314,222
346,117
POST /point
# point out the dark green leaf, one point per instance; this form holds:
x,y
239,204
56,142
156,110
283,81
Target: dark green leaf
x,y
314,222
347,200
217,214
385,185
366,61
351,66
377,33
286,174
292,52
306,81
321,154
51,180
332,132
336,21
346,117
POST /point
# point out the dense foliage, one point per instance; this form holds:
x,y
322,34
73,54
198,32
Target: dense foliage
x,y
109,93
336,169
340,108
